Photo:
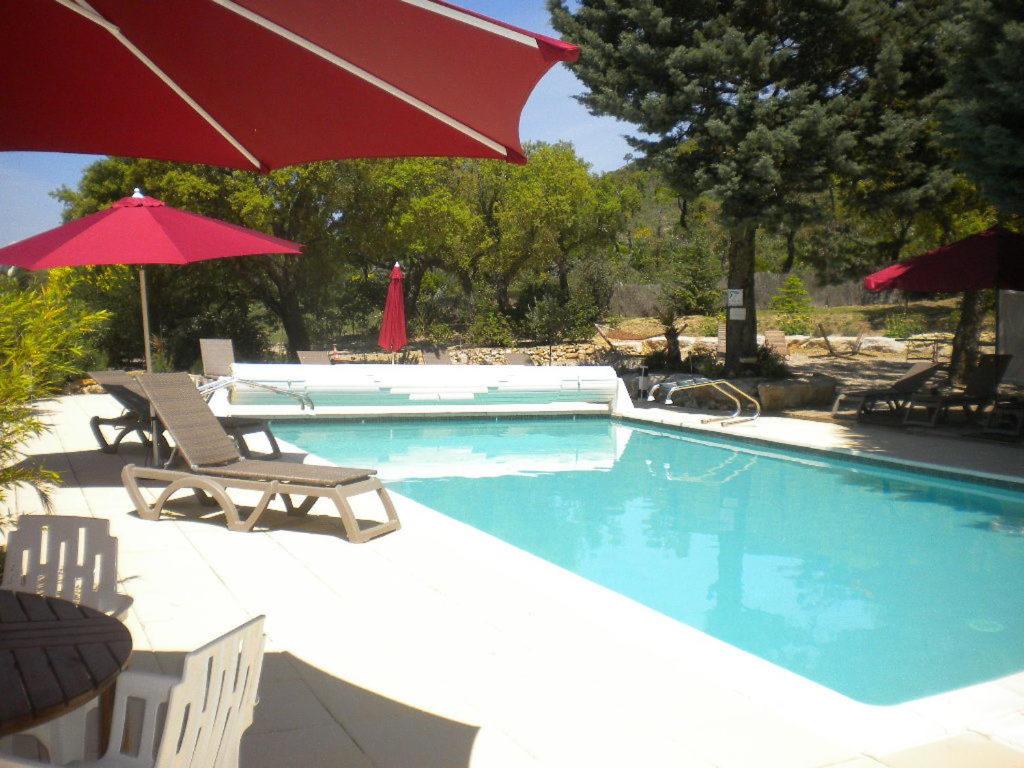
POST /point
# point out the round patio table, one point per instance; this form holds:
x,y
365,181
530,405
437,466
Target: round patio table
x,y
54,657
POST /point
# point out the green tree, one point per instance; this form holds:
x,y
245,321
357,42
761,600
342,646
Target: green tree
x,y
743,100
985,110
298,204
793,306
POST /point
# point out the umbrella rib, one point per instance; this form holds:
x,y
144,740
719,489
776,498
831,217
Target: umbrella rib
x,y
475,21
82,8
363,75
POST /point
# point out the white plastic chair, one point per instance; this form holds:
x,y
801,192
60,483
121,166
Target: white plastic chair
x,y
196,721
74,558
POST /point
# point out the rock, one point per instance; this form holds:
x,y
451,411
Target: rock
x,y
793,393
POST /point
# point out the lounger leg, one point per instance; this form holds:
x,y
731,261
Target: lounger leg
x,y
275,449
199,485
298,510
354,533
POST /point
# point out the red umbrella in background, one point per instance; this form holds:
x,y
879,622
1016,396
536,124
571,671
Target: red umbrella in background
x,y
990,259
140,230
262,84
392,325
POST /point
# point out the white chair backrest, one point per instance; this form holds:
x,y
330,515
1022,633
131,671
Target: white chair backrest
x,y
213,704
74,558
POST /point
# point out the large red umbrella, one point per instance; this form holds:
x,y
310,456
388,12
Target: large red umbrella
x,y
392,325
261,84
140,230
990,259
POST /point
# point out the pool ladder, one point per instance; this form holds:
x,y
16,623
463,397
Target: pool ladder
x,y
304,400
726,388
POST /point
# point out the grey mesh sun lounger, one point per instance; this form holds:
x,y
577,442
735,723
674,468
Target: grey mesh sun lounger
x,y
980,389
215,466
124,388
894,398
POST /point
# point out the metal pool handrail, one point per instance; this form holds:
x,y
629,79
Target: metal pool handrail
x,y
304,400
725,388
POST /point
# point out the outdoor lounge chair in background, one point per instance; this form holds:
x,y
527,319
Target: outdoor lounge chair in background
x,y
215,466
894,398
980,389
218,356
314,357
195,720
124,388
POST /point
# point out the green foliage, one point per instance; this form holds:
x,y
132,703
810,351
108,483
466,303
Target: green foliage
x,y
43,342
771,365
792,305
708,325
492,329
703,360
550,319
903,324
985,111
466,233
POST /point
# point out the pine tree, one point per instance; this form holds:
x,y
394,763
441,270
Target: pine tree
x,y
743,100
985,113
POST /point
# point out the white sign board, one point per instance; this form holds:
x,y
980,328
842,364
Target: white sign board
x,y
738,313
734,297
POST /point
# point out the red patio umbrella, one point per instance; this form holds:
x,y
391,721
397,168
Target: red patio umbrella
x,y
261,84
990,259
392,325
140,230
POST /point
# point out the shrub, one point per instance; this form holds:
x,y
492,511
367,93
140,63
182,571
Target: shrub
x,y
708,325
771,365
491,328
903,324
792,305
43,342
703,360
549,319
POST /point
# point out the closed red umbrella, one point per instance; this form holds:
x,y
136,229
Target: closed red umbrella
x,y
990,259
392,325
140,230
261,84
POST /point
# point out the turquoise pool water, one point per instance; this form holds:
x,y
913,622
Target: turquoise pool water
x,y
884,585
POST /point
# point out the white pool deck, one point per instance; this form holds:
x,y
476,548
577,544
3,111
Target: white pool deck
x,y
441,646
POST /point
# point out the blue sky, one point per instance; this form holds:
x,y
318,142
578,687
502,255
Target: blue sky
x,y
27,178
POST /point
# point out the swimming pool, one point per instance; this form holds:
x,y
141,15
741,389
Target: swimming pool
x,y
883,584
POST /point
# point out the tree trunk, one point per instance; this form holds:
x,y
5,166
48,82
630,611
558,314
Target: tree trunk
x,y
673,357
965,340
294,324
787,267
741,334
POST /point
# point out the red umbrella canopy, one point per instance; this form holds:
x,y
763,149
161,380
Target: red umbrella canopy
x,y
140,230
392,325
990,259
261,84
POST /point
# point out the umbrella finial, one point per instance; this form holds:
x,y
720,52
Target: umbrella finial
x,y
397,264
137,193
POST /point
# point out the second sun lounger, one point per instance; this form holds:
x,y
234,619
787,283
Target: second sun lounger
x,y
124,388
894,397
215,466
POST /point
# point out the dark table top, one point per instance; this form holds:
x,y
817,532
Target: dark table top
x,y
54,656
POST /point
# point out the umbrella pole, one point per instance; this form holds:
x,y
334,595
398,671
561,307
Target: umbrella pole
x,y
149,362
